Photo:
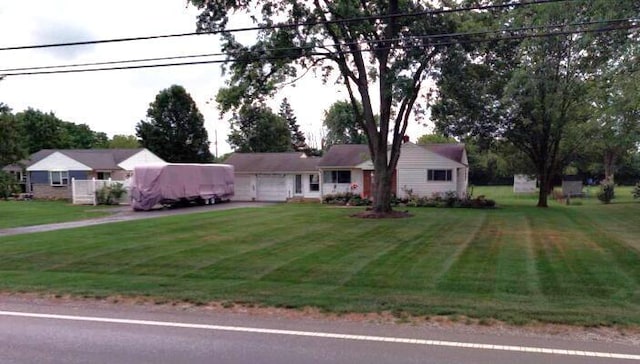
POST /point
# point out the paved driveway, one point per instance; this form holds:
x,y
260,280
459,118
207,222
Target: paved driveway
x,y
125,213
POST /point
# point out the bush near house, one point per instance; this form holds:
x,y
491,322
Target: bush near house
x,y
448,199
110,194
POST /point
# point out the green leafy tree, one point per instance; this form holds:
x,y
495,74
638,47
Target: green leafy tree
x,y
8,185
174,129
11,149
120,141
615,111
256,129
435,139
386,52
42,131
529,90
341,124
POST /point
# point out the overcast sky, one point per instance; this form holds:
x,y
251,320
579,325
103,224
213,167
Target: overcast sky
x,y
114,101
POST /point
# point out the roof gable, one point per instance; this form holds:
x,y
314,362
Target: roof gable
x,y
272,162
85,159
58,161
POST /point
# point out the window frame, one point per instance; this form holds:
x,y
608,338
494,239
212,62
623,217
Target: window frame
x,y
432,175
63,178
314,187
338,176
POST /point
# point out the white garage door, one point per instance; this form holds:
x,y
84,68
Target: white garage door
x,y
271,187
242,188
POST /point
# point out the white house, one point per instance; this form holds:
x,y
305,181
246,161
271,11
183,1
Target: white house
x,y
275,176
423,169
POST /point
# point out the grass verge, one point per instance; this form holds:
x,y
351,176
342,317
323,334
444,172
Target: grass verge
x,y
566,264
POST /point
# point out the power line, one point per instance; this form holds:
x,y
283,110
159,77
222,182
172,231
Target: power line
x,y
513,37
292,25
424,37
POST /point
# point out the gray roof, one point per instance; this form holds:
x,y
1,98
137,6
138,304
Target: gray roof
x,y
453,151
272,162
345,155
97,159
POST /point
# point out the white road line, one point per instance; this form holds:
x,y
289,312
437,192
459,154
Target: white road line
x,y
329,335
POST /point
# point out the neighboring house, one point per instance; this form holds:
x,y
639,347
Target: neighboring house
x,y
423,169
274,176
49,172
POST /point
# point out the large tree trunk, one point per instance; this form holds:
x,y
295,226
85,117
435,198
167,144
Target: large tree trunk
x,y
382,189
609,165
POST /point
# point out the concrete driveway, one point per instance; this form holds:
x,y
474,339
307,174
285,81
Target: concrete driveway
x,y
125,213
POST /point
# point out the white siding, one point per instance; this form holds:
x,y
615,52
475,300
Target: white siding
x,y
412,168
58,162
306,187
333,188
144,157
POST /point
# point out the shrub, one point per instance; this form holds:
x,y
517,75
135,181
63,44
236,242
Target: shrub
x,y
606,193
110,194
8,185
636,191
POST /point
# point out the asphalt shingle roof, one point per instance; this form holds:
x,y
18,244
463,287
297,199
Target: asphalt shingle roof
x,y
345,155
272,162
453,151
106,159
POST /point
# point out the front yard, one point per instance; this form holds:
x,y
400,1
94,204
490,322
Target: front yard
x,y
518,263
28,213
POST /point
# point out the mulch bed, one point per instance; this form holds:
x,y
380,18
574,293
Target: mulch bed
x,y
370,214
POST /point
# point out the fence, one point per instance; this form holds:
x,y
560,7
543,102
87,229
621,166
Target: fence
x,y
83,192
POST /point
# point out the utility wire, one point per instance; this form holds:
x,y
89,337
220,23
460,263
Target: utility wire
x,y
325,54
423,37
292,25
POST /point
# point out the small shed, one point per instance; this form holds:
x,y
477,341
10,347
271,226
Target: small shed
x,y
523,183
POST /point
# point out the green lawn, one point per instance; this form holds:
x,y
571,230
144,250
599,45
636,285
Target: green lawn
x,y
28,213
518,263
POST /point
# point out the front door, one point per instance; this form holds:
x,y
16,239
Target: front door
x,y
298,189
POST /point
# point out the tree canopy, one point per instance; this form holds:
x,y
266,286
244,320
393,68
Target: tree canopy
x,y
257,129
383,50
174,129
120,141
341,124
530,90
11,150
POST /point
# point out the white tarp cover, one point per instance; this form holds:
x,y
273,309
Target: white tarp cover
x,y
168,183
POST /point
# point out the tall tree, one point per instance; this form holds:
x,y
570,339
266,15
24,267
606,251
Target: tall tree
x,y
385,49
11,150
341,122
530,90
256,129
615,110
41,130
174,129
298,140
435,139
120,141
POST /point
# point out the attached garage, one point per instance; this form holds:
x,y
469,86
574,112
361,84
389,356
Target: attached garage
x,y
243,188
271,187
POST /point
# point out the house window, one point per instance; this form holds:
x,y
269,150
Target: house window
x,y
439,175
104,175
59,178
337,176
314,183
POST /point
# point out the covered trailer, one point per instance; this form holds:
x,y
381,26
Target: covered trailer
x,y
170,184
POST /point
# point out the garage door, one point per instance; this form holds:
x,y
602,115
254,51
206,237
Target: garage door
x,y
242,188
271,187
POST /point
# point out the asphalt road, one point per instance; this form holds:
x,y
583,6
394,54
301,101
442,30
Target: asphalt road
x,y
34,330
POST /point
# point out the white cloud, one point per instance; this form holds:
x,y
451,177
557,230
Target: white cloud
x,y
114,101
